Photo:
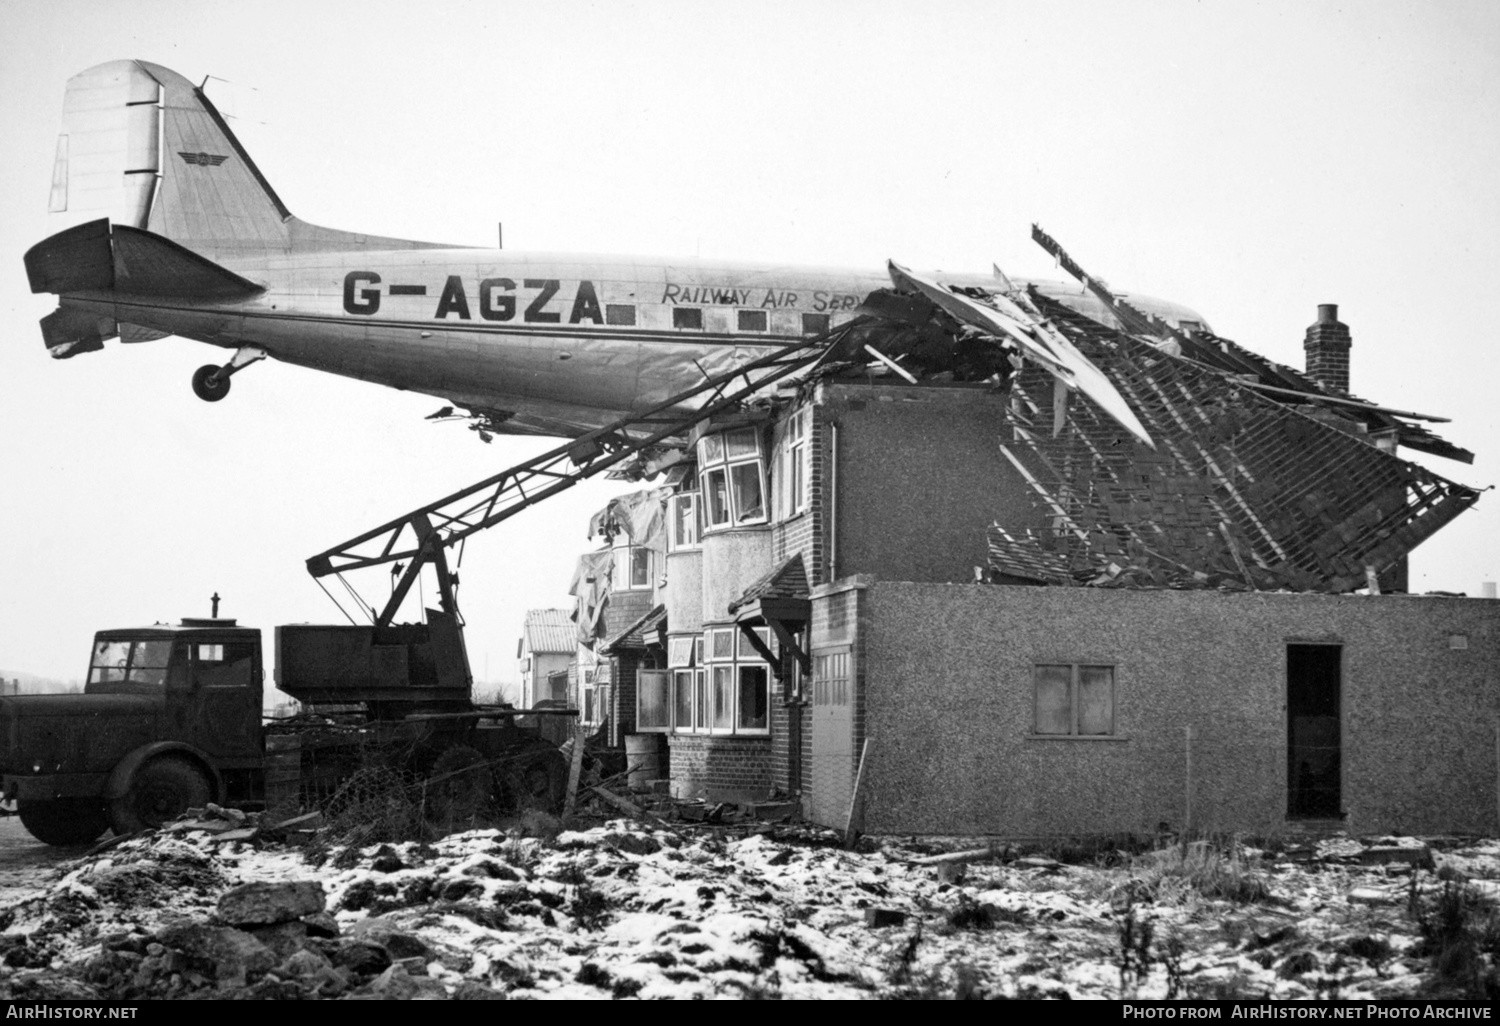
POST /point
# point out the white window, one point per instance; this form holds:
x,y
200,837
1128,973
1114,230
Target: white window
x,y
731,693
790,475
682,522
831,678
632,569
733,476
1074,700
653,700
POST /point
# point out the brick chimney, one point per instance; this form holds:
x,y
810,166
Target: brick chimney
x,y
1327,344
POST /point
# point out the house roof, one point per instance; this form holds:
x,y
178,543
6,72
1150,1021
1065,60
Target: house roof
x,y
548,630
645,631
788,580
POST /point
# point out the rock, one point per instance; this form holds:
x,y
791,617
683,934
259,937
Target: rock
x,y
633,844
952,872
256,904
396,984
397,942
1369,896
1412,855
321,924
388,862
492,870
281,938
880,917
365,958
471,991
303,963
232,954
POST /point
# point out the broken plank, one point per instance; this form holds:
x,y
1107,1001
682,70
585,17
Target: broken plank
x,y
633,809
970,855
574,771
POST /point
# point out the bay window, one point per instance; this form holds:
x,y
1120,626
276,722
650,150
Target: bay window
x,y
732,470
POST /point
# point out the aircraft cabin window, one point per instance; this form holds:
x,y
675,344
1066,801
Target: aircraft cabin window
x,y
687,317
814,323
619,313
752,320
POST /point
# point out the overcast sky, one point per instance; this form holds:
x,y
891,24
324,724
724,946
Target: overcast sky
x,y
1250,160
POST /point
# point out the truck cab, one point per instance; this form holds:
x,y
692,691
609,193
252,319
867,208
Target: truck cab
x,y
170,718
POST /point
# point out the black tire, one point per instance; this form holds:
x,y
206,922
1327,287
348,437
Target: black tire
x,y
538,781
63,822
161,790
207,387
461,787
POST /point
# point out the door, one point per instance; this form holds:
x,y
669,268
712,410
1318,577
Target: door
x,y
226,699
1314,763
831,772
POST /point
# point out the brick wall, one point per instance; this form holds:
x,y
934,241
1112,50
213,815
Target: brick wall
x,y
1327,344
721,768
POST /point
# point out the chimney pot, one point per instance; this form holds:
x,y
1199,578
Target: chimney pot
x,y
1327,348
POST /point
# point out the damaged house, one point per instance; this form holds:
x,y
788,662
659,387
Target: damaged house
x,y
926,588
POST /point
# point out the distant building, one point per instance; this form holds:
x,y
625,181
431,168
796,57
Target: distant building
x,y
547,645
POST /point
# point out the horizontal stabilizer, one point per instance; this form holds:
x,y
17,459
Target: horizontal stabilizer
x,y
147,264
68,331
137,333
99,257
78,259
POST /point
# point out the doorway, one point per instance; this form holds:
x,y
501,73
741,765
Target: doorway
x,y
1314,763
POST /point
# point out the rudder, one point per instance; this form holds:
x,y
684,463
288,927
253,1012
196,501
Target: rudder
x,y
145,147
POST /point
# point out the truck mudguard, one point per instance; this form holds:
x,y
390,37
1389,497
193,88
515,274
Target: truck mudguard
x,y
125,770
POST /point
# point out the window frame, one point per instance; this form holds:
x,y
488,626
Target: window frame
x,y
717,462
718,683
625,567
646,686
692,520
741,315
1075,674
792,470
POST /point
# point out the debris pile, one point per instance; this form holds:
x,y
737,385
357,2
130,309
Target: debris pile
x,y
623,909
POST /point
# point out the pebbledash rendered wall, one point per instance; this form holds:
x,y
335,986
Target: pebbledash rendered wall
x,y
948,679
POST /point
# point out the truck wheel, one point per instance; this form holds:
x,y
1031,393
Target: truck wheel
x,y
64,821
462,787
539,783
160,791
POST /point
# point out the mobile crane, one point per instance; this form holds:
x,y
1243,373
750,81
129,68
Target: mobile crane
x,y
170,717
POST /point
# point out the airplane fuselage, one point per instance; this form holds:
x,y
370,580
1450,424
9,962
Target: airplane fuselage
x,y
575,340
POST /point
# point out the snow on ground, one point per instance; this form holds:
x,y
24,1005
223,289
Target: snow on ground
x,y
623,910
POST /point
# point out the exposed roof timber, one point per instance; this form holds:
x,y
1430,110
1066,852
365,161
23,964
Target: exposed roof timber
x,y
1225,355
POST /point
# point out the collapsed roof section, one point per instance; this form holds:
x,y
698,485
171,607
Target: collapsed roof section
x,y
1228,470
1243,489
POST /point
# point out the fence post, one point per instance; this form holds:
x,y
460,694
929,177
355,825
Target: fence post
x,y
1187,790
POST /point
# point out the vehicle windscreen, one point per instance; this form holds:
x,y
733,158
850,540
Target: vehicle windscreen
x,y
129,665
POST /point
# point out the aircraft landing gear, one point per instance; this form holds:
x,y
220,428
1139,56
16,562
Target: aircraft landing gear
x,y
208,386
211,383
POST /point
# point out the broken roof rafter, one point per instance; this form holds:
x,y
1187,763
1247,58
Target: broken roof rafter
x,y
1242,487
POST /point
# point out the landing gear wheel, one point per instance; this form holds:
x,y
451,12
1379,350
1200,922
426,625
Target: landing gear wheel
x,y
207,387
462,788
64,821
161,790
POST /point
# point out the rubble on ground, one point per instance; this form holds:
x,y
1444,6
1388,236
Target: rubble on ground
x,y
745,908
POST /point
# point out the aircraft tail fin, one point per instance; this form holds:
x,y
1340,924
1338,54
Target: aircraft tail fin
x,y
144,147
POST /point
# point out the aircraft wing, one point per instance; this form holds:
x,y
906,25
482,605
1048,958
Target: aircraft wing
x,y
1003,317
